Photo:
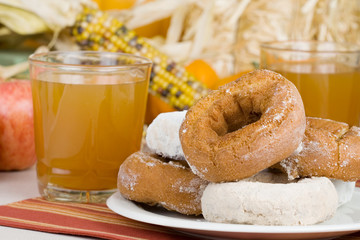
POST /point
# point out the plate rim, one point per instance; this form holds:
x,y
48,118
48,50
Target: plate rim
x,y
181,223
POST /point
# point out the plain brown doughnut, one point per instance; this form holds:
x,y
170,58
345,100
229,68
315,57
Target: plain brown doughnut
x,y
149,179
244,127
329,149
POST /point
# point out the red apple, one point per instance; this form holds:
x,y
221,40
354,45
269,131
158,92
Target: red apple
x,y
17,143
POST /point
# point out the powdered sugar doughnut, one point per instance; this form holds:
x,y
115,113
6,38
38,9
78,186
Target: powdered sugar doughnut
x,y
259,201
244,127
154,181
329,149
163,135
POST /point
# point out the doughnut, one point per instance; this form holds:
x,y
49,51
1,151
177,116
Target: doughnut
x,y
329,149
259,201
148,179
162,135
243,127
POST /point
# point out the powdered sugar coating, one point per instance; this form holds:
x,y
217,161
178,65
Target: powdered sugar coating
x,y
299,148
356,130
128,179
163,135
329,149
267,200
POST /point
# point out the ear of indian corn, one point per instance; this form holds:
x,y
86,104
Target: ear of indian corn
x,y
96,30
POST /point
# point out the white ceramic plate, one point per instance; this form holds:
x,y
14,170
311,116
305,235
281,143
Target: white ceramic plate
x,y
345,221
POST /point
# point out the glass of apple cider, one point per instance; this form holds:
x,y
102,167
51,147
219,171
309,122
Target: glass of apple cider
x,y
89,110
327,75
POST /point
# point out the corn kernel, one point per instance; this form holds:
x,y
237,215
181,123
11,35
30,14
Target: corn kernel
x,y
96,30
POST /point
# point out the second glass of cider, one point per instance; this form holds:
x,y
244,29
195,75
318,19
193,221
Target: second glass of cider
x,y
327,75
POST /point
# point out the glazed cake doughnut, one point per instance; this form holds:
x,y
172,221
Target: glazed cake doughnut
x,y
145,178
162,135
329,149
259,201
244,127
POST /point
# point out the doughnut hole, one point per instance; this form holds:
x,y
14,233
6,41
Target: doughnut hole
x,y
231,114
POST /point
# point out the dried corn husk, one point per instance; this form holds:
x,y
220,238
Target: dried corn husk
x,y
323,20
37,16
27,17
227,34
20,21
204,29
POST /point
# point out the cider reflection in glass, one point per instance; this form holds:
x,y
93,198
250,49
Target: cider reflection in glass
x,y
89,110
326,74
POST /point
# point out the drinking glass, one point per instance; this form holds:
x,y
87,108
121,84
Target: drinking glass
x,y
89,110
327,75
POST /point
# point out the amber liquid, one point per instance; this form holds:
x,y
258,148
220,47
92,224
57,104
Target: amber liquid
x,y
85,130
328,90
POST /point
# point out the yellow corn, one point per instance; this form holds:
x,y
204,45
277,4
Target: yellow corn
x,y
96,30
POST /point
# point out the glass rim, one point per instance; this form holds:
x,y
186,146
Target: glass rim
x,y
36,58
288,45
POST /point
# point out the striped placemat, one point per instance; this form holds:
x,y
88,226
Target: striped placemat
x,y
92,220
